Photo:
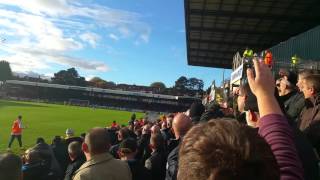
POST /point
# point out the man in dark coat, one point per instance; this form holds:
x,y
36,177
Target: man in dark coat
x,y
127,152
77,159
156,164
292,101
309,122
181,124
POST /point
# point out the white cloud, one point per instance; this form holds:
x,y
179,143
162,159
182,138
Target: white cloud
x,y
113,37
42,33
89,77
91,38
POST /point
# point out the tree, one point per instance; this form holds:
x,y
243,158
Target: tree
x,y
100,83
195,84
68,77
159,85
181,83
5,71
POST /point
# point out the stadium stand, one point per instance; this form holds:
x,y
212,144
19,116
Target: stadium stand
x,y
98,96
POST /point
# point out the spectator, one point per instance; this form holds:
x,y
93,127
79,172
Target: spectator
x,y
156,164
46,154
311,112
248,102
309,122
303,74
293,101
127,152
10,167
77,159
123,134
212,111
278,81
206,149
283,72
247,105
144,152
60,150
196,110
155,129
114,124
35,167
168,134
255,159
100,165
181,125
82,136
70,137
131,131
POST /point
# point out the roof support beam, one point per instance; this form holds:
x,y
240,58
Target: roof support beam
x,y
241,44
237,31
250,15
213,51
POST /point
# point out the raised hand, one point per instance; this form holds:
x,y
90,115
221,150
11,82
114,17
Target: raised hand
x,y
263,84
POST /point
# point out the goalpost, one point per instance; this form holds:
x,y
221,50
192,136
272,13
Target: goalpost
x,y
79,102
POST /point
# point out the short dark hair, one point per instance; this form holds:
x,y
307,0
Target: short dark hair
x,y
40,140
10,166
158,141
98,140
125,132
128,146
74,148
225,149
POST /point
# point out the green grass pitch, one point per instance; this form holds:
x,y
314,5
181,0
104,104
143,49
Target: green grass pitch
x,y
49,120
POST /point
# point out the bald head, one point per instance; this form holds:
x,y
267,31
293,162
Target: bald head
x,y
181,124
97,140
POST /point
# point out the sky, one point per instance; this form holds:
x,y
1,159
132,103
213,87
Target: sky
x,y
124,41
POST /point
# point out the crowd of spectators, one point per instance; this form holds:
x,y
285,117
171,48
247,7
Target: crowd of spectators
x,y
276,135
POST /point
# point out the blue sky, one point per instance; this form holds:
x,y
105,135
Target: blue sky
x,y
125,41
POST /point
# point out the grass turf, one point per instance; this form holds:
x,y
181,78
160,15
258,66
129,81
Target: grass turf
x,y
49,120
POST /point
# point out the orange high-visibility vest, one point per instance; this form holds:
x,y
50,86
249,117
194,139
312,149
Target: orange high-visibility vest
x,y
16,128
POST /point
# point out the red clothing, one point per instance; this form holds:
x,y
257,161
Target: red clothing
x,y
114,125
16,128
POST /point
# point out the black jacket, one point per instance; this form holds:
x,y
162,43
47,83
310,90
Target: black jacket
x,y
60,151
156,164
114,150
293,103
172,164
37,171
73,166
144,152
138,171
307,155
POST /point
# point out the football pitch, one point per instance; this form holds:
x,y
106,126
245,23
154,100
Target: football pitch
x,y
48,120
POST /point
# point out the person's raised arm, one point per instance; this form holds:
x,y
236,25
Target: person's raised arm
x,y
263,86
273,126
